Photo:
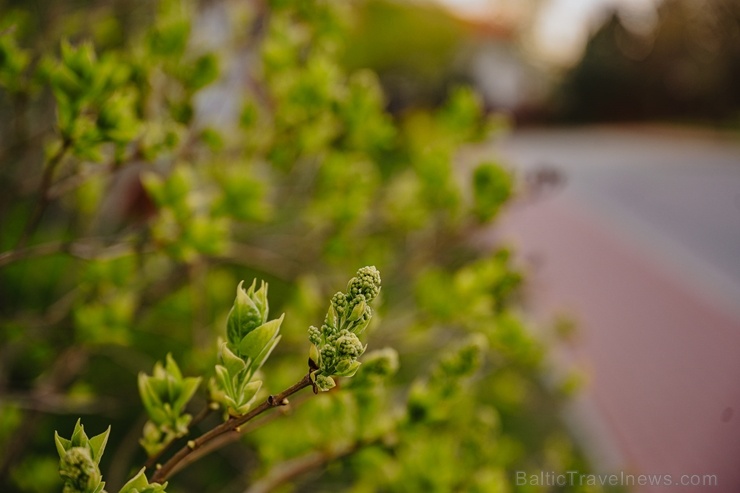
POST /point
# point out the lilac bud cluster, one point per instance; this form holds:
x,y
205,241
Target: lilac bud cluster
x,y
336,346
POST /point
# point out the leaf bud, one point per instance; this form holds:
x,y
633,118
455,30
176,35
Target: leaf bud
x,y
249,311
79,471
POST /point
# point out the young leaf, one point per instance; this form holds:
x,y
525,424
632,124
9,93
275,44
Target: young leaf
x,y
254,343
262,357
187,390
62,444
139,484
225,380
346,368
244,316
233,363
97,445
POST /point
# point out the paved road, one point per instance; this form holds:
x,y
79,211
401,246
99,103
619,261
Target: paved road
x,y
641,244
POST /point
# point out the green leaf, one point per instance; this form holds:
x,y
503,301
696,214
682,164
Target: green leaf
x,y
233,363
492,187
172,368
225,381
140,484
62,444
249,391
187,390
332,316
346,368
170,38
204,71
13,62
254,343
244,316
97,445
259,297
359,326
314,355
358,311
149,397
262,357
79,437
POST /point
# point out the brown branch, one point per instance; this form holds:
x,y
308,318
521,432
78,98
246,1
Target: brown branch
x,y
65,368
231,425
122,457
69,183
43,193
293,468
34,251
233,436
84,249
58,403
203,414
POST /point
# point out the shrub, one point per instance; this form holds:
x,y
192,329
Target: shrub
x,y
145,174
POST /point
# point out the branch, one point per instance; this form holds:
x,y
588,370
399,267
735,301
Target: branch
x,y
82,249
58,403
231,425
43,194
34,251
65,368
203,414
233,436
293,468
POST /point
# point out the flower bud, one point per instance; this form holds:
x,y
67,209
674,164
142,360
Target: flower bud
x,y
328,356
366,282
324,383
349,345
314,335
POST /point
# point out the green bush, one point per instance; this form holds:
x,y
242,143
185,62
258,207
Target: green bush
x,y
145,175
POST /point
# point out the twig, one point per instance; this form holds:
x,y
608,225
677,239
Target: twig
x,y
43,194
233,436
57,403
66,367
34,251
82,249
197,271
291,469
232,424
203,414
122,457
69,183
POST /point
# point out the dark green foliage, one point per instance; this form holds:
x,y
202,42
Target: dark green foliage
x,y
686,66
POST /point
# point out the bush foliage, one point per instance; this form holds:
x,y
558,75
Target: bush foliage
x,y
154,157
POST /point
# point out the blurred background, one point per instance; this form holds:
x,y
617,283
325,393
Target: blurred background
x,y
561,61
627,121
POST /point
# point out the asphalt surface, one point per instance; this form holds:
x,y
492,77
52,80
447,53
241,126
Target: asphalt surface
x,y
636,236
